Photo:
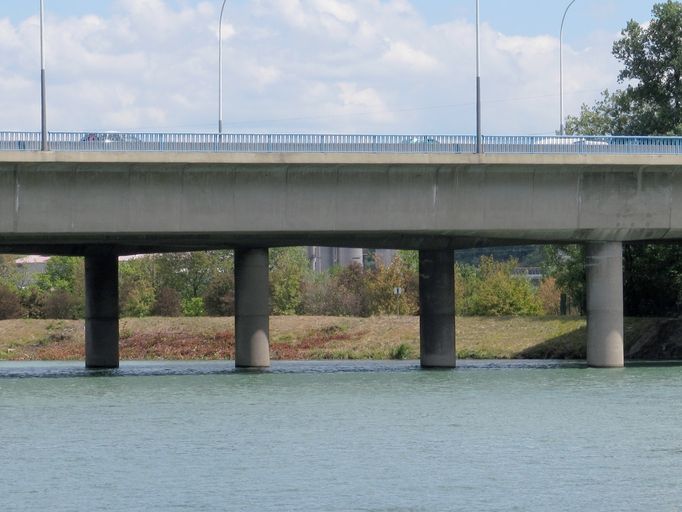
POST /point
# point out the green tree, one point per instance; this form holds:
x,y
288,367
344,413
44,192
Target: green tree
x,y
649,104
567,265
167,302
652,71
219,296
63,288
61,273
289,268
499,293
382,283
187,272
9,275
136,287
10,303
193,307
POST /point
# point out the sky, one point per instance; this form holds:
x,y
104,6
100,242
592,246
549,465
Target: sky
x,y
306,66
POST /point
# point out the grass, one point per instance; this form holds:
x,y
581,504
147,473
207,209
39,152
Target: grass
x,y
309,337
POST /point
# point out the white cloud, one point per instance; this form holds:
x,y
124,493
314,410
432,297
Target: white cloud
x,y
342,11
400,52
365,101
289,65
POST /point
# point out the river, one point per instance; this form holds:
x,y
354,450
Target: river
x,y
340,436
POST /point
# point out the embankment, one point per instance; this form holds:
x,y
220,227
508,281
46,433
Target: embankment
x,y
308,337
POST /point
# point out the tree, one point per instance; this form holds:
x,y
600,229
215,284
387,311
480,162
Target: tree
x,y
497,292
649,104
289,267
567,265
63,287
136,294
10,303
219,296
393,288
61,273
167,303
652,279
187,272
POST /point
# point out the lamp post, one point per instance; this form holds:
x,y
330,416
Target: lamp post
x,y
220,69
43,103
561,71
478,81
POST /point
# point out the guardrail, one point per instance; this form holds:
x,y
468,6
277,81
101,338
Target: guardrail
x,y
329,143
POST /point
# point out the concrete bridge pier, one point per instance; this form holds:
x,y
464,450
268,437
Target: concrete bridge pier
x,y
252,308
101,311
437,308
604,265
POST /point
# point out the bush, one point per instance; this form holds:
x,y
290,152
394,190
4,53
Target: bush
x,y
322,295
33,302
493,290
381,284
193,307
167,303
62,304
289,267
549,296
219,296
136,287
10,303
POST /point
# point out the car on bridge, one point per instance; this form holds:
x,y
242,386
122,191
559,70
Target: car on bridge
x,y
109,137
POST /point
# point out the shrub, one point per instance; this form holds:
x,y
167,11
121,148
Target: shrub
x,y
136,287
495,291
289,267
549,296
167,303
62,304
381,286
10,303
402,351
33,302
193,307
219,296
322,295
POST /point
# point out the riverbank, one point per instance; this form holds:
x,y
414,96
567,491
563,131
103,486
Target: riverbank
x,y
309,337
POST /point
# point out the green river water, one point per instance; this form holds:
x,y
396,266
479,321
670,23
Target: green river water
x,y
340,436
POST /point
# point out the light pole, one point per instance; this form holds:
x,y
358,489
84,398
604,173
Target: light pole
x,y
220,69
478,81
43,103
561,71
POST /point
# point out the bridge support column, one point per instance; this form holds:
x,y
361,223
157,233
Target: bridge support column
x,y
604,265
252,308
101,311
437,309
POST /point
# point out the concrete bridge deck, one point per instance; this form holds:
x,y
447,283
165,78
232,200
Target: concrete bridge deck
x,y
63,202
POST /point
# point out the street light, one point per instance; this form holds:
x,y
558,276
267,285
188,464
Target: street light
x,y
220,69
43,116
478,81
561,72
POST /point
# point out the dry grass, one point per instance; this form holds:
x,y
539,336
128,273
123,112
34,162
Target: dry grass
x,y
295,337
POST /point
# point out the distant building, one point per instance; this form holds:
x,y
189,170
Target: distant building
x,y
29,267
324,258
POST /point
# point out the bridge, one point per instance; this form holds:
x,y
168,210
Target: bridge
x,y
102,196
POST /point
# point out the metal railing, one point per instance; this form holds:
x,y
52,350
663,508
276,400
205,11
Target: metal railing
x,y
329,143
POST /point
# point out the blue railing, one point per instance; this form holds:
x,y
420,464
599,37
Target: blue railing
x,y
312,143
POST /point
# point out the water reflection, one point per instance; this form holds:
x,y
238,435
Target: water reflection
x,y
70,369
